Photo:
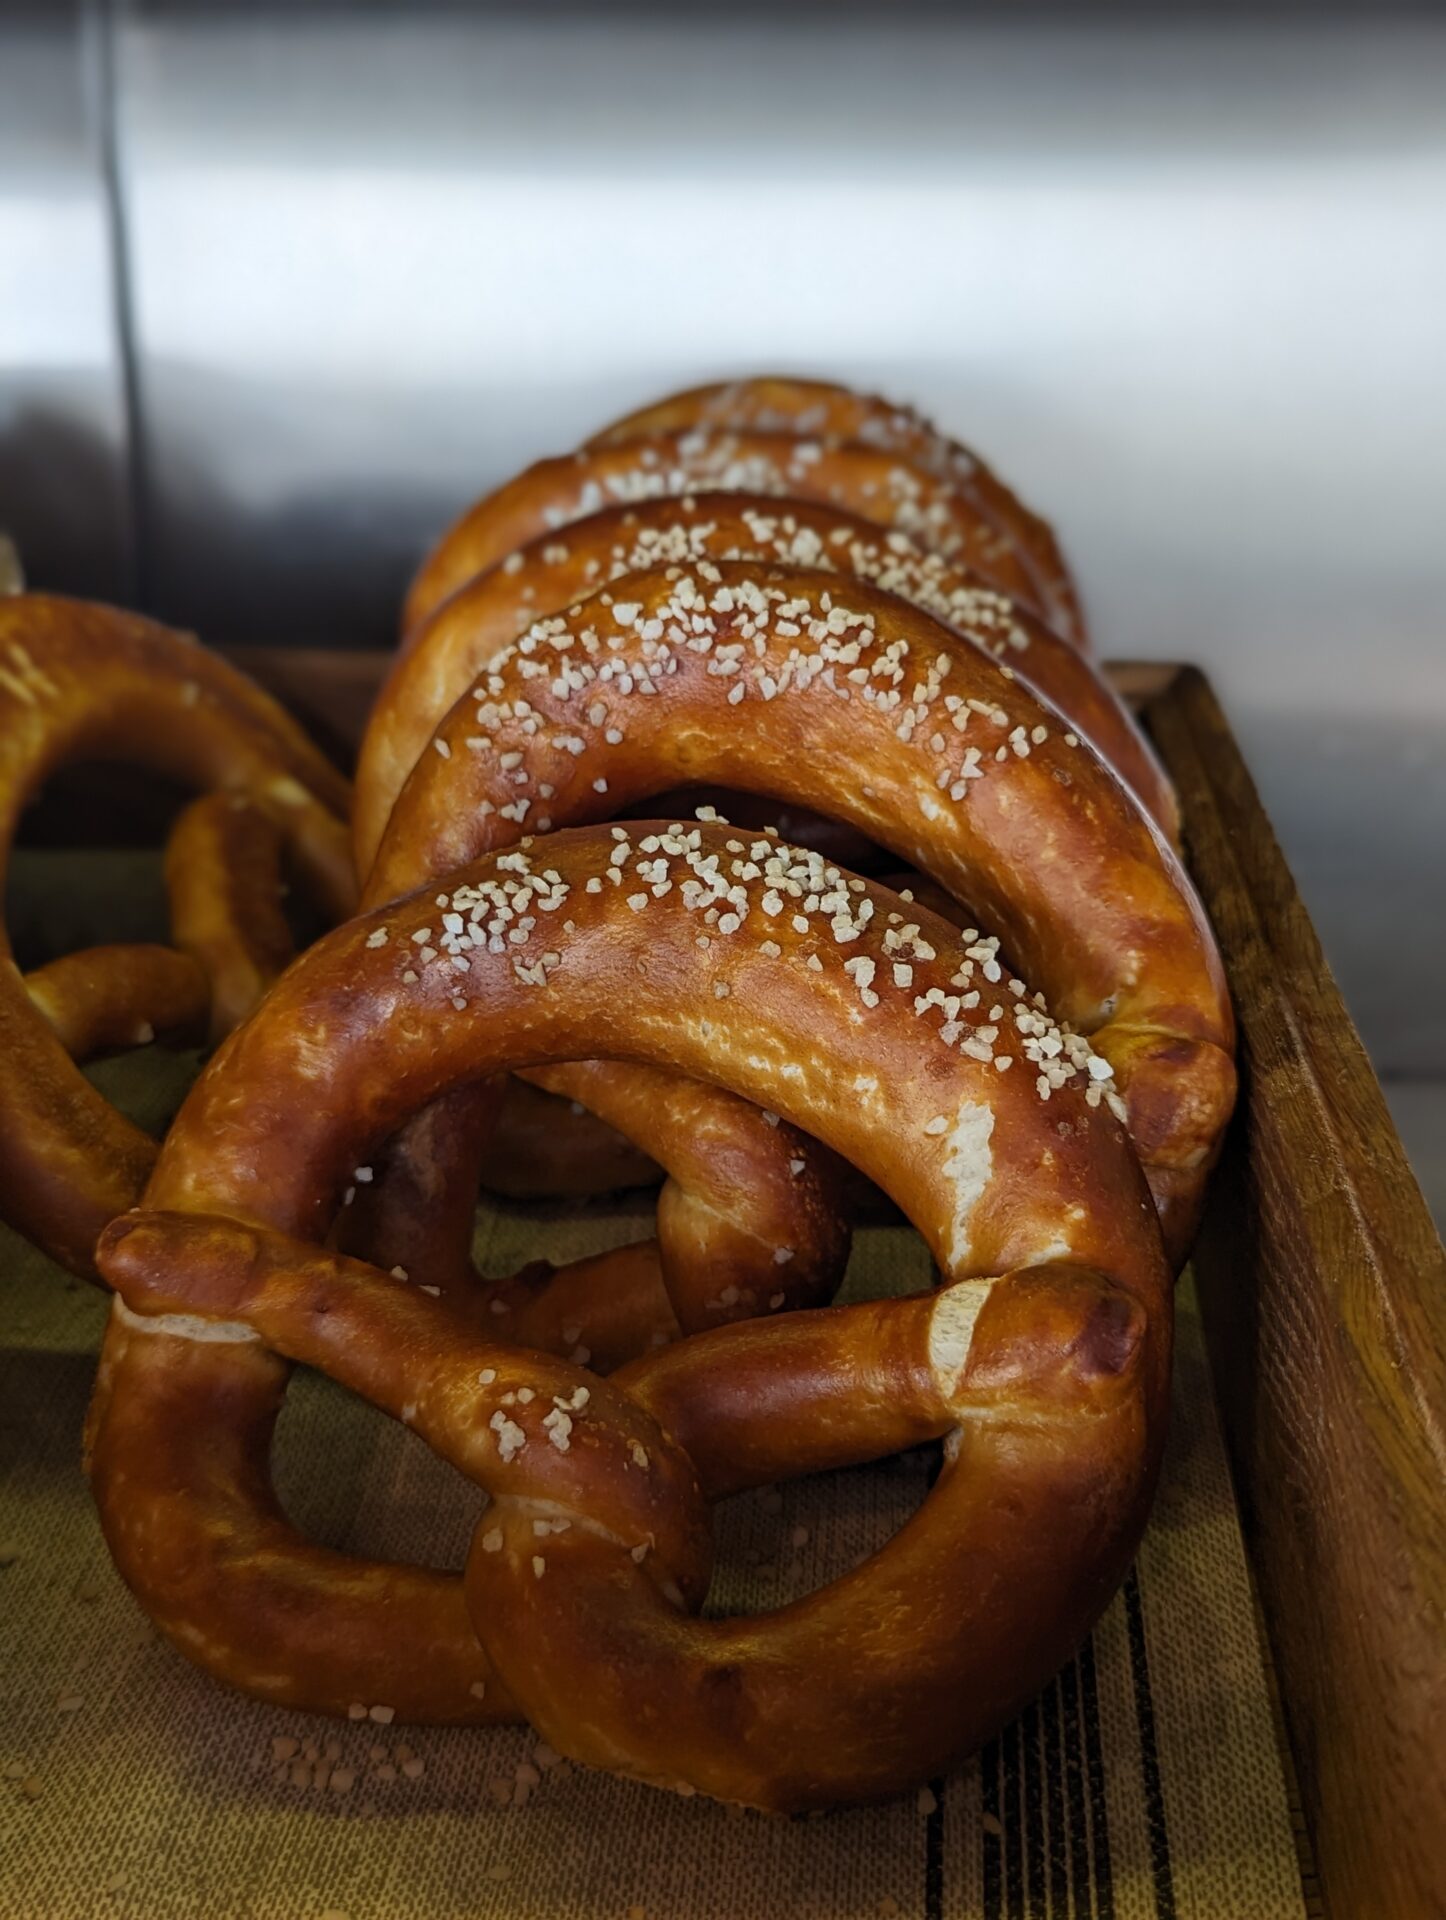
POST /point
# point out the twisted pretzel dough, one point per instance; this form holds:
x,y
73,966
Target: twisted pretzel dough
x,y
783,681
881,487
84,682
593,1556
773,404
463,635
739,1186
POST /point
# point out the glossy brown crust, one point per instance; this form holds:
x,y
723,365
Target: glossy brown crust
x,y
78,682
785,682
225,886
882,487
462,636
548,1146
119,996
773,403
1055,1379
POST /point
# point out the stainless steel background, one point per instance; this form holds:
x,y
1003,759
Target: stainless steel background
x,y
281,288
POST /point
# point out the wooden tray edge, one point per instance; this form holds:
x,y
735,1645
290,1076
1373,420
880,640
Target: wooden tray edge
x,y
1322,1282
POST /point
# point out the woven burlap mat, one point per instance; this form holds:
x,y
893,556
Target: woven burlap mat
x,y
1144,1782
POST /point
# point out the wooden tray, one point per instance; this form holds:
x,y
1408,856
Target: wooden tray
x,y
1322,1284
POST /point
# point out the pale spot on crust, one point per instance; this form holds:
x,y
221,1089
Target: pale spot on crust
x,y
186,1326
968,1164
951,1328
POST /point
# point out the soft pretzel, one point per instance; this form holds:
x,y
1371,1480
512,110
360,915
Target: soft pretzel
x,y
885,488
848,700
78,682
459,639
774,404
1044,1361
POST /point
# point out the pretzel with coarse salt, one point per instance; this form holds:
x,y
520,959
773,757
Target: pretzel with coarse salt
x,y
1045,1360
885,488
78,682
457,641
816,409
847,700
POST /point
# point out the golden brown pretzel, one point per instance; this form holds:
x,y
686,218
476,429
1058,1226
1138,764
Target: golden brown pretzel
x,y
79,682
849,701
1051,1379
882,487
775,404
458,640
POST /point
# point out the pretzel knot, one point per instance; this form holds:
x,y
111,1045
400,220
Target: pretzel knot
x,y
1042,1363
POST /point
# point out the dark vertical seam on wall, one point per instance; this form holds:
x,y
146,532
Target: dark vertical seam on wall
x,y
100,26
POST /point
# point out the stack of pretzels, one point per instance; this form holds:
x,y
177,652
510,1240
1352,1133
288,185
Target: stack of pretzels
x,y
839,646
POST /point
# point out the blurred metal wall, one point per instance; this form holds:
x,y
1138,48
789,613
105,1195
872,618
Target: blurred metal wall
x,y
280,288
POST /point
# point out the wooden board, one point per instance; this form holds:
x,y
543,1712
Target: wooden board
x,y
1323,1285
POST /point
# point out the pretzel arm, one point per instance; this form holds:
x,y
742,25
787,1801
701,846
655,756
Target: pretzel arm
x,y
816,409
748,1218
197,1531
415,1216
462,637
224,879
929,1646
882,487
117,996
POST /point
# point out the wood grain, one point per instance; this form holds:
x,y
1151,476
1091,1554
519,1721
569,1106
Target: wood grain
x,y
1323,1283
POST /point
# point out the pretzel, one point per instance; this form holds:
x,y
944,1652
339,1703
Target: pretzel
x,y
1044,1361
79,681
771,404
884,488
849,701
461,637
